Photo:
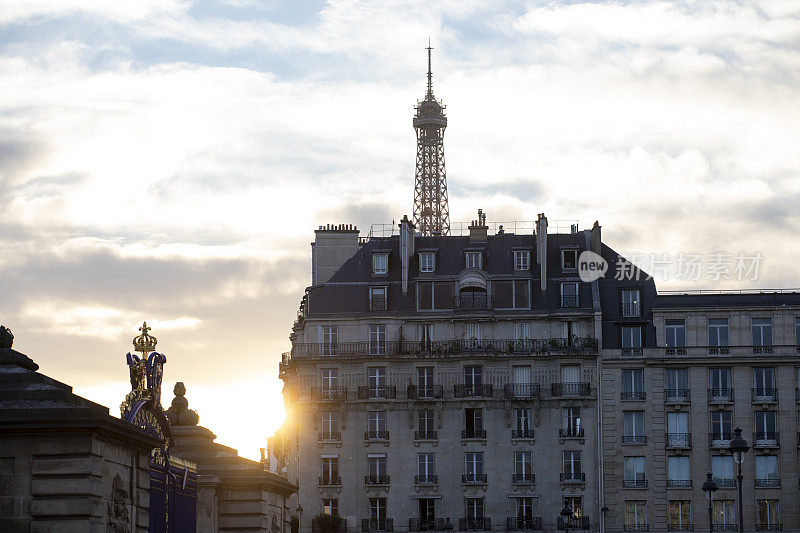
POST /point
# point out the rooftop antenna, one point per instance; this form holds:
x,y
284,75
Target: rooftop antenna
x,y
430,73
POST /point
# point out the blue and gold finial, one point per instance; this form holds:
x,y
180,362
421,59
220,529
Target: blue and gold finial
x,y
144,343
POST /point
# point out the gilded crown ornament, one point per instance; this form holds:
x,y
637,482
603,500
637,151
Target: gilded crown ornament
x,y
144,343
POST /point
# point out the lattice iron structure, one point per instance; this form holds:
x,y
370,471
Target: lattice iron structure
x,y
431,212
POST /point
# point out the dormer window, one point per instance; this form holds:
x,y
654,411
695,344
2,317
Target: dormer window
x,y
380,263
474,260
427,262
569,259
522,260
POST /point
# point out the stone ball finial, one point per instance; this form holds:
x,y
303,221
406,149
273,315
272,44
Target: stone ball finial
x,y
179,413
6,338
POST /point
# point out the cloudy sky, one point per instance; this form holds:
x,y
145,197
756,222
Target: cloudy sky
x,y
168,160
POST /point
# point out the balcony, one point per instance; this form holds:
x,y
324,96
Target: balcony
x,y
680,527
377,304
426,479
573,522
632,351
572,477
725,527
718,396
719,350
527,478
570,433
330,436
424,393
725,482
632,395
766,439
425,435
762,350
330,480
765,395
570,301
675,350
376,393
634,483
376,435
631,309
679,440
473,302
679,483
524,524
634,439
521,391
473,479
769,527
768,483
475,524
329,394
521,433
472,391
573,389
384,524
473,433
673,396
436,524
376,479
719,440
328,524
636,527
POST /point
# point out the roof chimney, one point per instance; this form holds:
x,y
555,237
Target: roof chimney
x,y
596,241
333,245
478,229
541,248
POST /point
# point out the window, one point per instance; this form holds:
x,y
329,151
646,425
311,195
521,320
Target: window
x,y
427,513
329,338
678,430
435,295
766,431
722,470
330,471
678,472
676,385
764,383
426,467
380,263
473,423
426,424
330,381
377,382
720,428
377,467
377,299
762,332
633,384
569,259
330,507
475,510
631,302
425,382
474,464
523,467
675,331
330,425
376,425
522,260
571,462
633,427
724,514
631,337
377,339
569,295
511,294
570,373
571,422
473,378
427,261
522,420
680,515
635,516
426,337
474,259
720,384
767,471
768,514
377,513
797,331
521,384
718,340
634,472
524,508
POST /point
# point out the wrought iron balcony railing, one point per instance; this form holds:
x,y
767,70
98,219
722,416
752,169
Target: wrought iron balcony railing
x,y
435,524
572,432
376,479
515,523
425,435
521,433
725,482
570,301
765,395
332,524
676,396
332,436
426,479
768,482
523,479
720,440
570,389
472,391
473,478
329,394
473,433
521,390
725,527
377,304
475,524
632,351
761,526
679,440
766,439
330,480
634,439
636,527
762,350
572,477
679,483
719,350
632,395
470,302
573,522
373,393
675,350
376,435
630,309
384,524
720,395
634,483
415,392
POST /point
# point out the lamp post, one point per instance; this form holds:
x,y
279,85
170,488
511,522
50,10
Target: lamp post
x,y
603,511
566,513
738,447
710,487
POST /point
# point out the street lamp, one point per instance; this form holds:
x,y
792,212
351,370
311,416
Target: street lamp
x,y
566,513
710,487
737,448
603,511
